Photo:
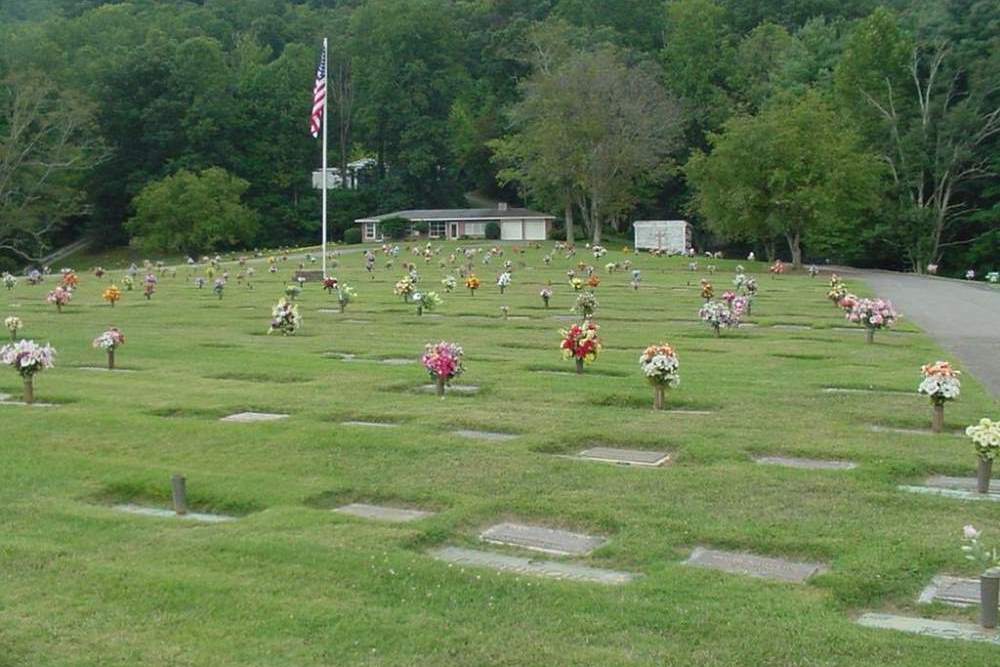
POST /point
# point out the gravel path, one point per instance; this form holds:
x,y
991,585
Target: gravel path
x,y
963,317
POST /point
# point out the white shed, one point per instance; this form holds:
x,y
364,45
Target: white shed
x,y
674,236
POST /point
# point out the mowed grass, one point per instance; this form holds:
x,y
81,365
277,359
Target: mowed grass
x,y
293,583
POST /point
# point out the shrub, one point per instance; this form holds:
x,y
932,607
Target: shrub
x,y
352,235
423,227
395,228
492,230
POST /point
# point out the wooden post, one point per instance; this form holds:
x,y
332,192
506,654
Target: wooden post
x,y
937,421
178,484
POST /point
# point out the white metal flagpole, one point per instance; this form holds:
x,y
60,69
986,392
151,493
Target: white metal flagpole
x,y
326,88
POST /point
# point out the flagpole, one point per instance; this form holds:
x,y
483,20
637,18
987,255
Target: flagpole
x,y
326,87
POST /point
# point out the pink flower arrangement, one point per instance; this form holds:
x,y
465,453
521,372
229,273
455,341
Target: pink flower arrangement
x,y
27,357
777,268
60,296
873,314
110,340
443,360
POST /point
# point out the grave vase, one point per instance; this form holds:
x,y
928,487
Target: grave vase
x,y
29,389
983,475
579,365
343,306
440,385
989,597
869,336
420,311
111,360
937,421
658,396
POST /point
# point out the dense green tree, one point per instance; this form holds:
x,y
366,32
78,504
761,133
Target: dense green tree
x,y
596,124
193,213
795,171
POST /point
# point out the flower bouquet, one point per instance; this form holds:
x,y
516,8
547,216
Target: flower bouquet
x,y
986,439
941,384
9,281
345,294
149,286
576,283
581,343
285,318
660,366
426,301
586,304
777,268
813,270
112,295
472,283
993,277
69,279
707,291
636,279
503,281
27,358
873,314
611,267
443,361
719,315
449,283
292,291
329,284
505,312
13,324
219,286
128,282
838,289
109,341
60,296
546,294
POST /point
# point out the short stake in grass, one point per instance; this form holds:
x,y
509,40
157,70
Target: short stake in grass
x,y
660,365
179,488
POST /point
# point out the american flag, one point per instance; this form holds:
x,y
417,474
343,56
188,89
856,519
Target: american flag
x,y
319,97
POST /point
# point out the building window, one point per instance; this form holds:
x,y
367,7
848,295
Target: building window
x,y
370,229
475,229
437,230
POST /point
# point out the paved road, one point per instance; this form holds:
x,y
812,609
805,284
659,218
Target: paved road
x,y
963,317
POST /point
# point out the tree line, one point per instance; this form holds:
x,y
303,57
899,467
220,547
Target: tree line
x,y
853,131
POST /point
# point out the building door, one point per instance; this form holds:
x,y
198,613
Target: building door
x,y
453,230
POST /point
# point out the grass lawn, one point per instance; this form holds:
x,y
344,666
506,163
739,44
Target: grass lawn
x,y
293,583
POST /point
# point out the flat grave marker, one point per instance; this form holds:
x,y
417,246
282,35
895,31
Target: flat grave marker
x,y
792,327
455,388
805,464
354,422
962,488
494,436
630,457
876,428
171,514
754,566
105,369
395,361
930,627
537,538
383,513
531,567
250,417
954,591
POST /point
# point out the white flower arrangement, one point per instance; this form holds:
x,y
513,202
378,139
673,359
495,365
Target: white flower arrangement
x,y
28,357
13,324
9,281
986,438
940,382
660,365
